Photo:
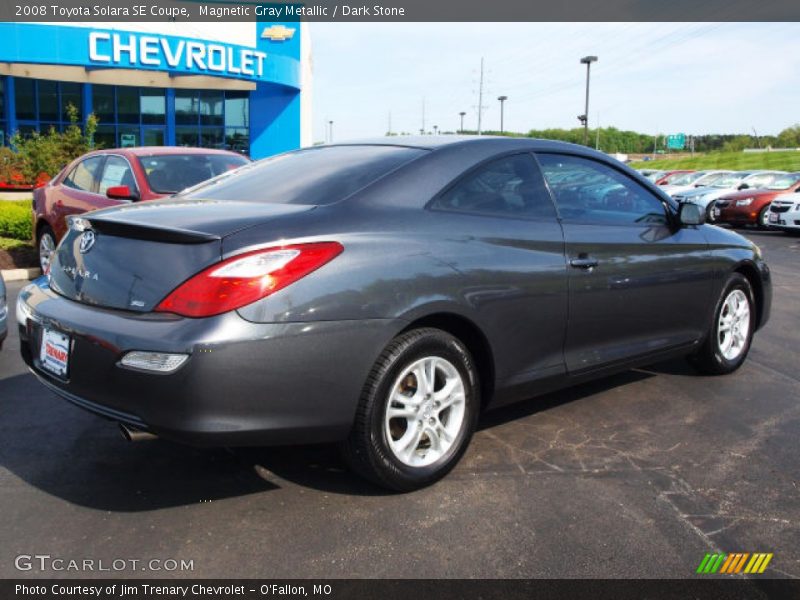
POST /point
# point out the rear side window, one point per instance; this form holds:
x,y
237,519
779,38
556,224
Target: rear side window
x,y
314,177
83,176
507,187
172,173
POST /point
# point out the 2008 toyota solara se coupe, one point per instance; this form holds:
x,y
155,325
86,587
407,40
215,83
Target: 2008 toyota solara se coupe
x,y
383,294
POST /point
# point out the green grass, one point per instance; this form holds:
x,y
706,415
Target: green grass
x,y
736,161
12,244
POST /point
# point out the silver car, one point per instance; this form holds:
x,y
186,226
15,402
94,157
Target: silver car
x,y
691,181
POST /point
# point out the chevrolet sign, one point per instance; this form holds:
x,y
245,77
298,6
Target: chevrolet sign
x,y
149,51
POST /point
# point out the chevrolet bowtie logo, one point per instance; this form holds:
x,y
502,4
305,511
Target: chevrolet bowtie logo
x,y
278,33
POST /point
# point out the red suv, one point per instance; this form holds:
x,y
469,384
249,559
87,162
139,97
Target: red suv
x,y
110,177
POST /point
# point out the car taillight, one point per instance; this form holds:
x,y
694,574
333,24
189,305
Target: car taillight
x,y
243,279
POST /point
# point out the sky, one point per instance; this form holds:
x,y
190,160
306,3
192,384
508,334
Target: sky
x,y
692,78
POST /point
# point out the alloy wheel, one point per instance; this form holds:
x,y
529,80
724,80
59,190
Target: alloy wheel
x,y
47,247
733,327
425,411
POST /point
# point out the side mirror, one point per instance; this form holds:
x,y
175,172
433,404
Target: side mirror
x,y
120,192
743,186
691,214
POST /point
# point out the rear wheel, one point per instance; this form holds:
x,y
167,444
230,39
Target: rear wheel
x,y
46,247
417,411
731,333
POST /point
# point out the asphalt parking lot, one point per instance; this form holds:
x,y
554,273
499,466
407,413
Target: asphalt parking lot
x,y
638,475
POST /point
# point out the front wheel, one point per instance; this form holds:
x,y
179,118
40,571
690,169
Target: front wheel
x,y
763,218
47,248
417,411
731,334
710,216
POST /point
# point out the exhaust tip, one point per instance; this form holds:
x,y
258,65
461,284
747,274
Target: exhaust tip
x,y
131,434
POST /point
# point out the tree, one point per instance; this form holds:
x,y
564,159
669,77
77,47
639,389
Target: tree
x,y
789,137
43,155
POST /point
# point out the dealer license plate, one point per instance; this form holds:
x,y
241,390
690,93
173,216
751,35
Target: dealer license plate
x,y
54,355
773,218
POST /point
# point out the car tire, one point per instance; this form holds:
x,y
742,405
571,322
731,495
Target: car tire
x,y
45,247
731,333
763,218
710,218
424,440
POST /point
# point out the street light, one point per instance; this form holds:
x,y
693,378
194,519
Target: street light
x,y
502,102
461,114
330,124
584,118
435,130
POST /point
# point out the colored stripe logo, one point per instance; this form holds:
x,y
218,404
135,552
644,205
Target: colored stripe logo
x,y
736,562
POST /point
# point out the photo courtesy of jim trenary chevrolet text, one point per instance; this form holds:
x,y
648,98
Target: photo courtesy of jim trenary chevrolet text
x,y
408,299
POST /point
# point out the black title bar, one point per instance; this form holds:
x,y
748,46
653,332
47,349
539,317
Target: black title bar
x,y
403,11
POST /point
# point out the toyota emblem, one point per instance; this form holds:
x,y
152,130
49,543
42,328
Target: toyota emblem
x,y
87,241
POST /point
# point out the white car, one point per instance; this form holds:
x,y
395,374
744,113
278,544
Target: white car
x,y
738,180
784,213
689,181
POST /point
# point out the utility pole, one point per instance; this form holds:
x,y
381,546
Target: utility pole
x,y
758,142
461,114
480,98
502,103
587,60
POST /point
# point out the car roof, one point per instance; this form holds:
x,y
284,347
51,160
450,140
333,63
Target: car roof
x,y
162,150
434,142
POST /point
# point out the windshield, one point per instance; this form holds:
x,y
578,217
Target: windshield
x,y
315,176
710,178
671,179
171,173
655,175
730,180
686,178
784,182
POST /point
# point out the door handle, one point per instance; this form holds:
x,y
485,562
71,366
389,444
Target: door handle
x,y
583,262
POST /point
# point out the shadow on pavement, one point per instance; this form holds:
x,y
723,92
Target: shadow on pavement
x,y
82,459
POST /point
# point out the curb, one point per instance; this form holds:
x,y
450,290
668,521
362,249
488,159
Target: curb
x,y
20,274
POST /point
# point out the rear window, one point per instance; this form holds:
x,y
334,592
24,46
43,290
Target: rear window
x,y
314,177
171,173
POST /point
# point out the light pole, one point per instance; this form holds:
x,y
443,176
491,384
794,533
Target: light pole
x,y
330,125
586,60
435,130
461,114
502,103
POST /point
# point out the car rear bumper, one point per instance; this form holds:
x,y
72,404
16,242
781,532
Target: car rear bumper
x,y
243,384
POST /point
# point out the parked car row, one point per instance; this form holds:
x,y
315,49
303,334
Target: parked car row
x,y
737,197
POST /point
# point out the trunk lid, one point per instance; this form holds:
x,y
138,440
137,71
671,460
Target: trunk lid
x,y
131,257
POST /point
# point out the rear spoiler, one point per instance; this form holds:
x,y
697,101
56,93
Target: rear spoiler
x,y
142,231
